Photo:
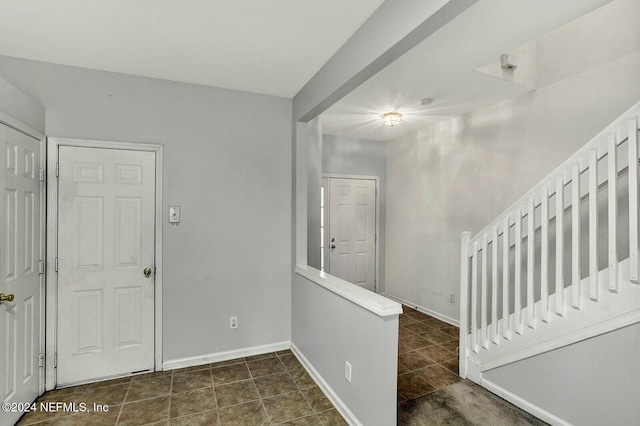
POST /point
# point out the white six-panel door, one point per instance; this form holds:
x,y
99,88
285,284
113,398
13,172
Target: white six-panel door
x,y
352,230
106,223
20,253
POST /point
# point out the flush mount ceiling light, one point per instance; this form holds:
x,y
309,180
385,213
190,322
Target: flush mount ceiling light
x,y
392,118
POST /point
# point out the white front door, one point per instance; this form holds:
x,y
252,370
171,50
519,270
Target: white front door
x,y
106,222
352,230
21,248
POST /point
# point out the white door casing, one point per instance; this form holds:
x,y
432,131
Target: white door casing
x,y
106,225
352,230
21,250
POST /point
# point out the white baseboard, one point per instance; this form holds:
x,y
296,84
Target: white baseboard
x,y
224,356
342,408
524,404
423,309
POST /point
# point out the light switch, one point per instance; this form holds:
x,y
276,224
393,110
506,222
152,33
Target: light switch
x,y
174,214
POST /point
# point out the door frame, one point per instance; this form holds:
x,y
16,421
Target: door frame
x,y
7,120
327,222
53,143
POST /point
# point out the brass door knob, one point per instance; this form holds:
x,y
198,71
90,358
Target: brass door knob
x,y
147,272
6,297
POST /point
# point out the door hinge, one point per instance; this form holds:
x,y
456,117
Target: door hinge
x,y
40,360
55,360
42,175
41,267
57,169
56,264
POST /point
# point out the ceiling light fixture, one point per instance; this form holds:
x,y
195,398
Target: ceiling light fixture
x,y
392,118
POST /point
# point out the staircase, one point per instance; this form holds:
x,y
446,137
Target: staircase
x,y
561,264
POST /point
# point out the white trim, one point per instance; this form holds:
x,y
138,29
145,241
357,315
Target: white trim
x,y
422,309
52,243
224,356
342,408
376,179
556,342
362,297
524,404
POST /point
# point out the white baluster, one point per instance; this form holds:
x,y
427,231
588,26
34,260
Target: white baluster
x,y
560,245
518,273
612,185
474,298
464,302
494,288
633,200
575,236
593,224
485,290
506,324
544,254
531,262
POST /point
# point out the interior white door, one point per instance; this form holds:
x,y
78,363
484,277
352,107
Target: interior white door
x,y
20,252
352,230
106,220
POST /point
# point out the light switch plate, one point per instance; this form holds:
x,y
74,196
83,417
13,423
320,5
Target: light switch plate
x,y
174,214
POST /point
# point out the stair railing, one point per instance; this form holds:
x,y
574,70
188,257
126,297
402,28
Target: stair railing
x,y
493,263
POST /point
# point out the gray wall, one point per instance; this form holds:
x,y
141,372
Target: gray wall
x,y
350,156
329,330
593,382
314,186
227,163
21,107
460,174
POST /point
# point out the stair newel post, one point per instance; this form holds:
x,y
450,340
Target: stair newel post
x,y
494,287
544,253
518,272
464,303
575,236
633,200
474,298
560,244
531,262
485,290
593,223
612,201
506,322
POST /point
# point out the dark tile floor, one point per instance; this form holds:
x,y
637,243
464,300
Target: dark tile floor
x,y
266,389
427,355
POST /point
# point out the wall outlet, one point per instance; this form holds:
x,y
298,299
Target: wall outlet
x,y
347,371
452,298
233,323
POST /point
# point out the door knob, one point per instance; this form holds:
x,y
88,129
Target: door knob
x,y
333,246
147,272
6,297
333,239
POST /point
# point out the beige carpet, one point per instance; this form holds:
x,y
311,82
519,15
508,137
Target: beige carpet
x,y
461,404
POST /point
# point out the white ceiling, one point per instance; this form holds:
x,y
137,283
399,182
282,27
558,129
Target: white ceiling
x,y
264,46
443,68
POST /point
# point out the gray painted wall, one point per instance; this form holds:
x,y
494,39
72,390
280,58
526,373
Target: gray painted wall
x,y
227,163
314,186
593,382
330,330
21,107
350,156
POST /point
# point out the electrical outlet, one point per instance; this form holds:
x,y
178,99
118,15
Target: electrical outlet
x,y
347,371
452,298
233,323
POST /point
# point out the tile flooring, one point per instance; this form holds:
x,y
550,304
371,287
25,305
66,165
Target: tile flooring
x,y
427,355
265,389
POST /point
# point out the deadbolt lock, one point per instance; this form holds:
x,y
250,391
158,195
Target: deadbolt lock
x,y
6,297
147,272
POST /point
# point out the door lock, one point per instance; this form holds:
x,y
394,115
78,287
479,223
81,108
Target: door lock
x,y
147,272
333,246
6,297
